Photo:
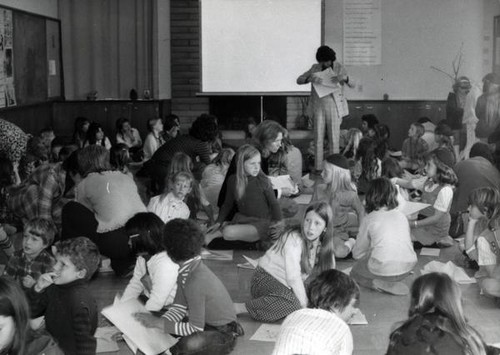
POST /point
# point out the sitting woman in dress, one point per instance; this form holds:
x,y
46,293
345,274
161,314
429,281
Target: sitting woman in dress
x,y
436,321
250,190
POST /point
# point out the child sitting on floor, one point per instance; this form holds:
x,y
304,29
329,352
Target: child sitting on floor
x,y
342,195
321,328
195,199
482,239
383,249
29,263
437,323
437,190
251,191
277,286
171,204
414,148
155,274
212,324
62,296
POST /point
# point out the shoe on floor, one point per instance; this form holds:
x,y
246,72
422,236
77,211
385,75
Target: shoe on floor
x,y
393,288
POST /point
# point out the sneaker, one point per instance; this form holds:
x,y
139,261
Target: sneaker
x,y
393,288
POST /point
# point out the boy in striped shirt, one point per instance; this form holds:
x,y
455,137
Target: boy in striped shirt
x,y
211,324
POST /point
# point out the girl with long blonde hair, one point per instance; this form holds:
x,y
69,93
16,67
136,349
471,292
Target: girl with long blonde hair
x,y
300,253
251,191
341,193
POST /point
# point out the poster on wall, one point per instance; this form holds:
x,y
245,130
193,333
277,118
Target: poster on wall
x,y
7,89
362,32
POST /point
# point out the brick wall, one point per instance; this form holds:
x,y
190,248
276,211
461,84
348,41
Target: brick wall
x,y
186,63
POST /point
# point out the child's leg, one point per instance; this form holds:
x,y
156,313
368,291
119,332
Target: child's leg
x,y
244,232
491,287
271,300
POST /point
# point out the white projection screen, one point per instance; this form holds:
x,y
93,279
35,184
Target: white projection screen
x,y
258,46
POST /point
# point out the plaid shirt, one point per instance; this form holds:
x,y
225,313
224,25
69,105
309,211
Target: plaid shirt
x,y
41,195
20,266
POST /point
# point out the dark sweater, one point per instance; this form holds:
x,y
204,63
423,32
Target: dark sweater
x,y
70,315
257,201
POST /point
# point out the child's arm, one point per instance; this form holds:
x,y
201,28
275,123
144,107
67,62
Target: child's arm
x,y
486,258
470,238
164,280
37,296
359,208
85,341
362,241
292,253
441,207
135,286
48,188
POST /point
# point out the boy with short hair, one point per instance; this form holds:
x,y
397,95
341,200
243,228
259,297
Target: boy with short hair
x,y
321,328
26,265
62,296
211,327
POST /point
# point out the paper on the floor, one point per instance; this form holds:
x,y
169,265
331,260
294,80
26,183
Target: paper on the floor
x,y
267,332
217,254
456,273
150,341
283,181
249,264
358,318
410,207
303,199
430,252
105,342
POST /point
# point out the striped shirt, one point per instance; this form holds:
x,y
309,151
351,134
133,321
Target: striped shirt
x,y
314,332
203,296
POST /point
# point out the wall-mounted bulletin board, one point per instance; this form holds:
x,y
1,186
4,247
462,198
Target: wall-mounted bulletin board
x,y
30,58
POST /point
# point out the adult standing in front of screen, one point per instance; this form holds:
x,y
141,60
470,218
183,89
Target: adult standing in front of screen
x,y
327,104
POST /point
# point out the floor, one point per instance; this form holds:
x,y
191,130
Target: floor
x,y
381,310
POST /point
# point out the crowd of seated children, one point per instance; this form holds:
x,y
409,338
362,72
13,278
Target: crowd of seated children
x,y
321,328
482,242
383,249
155,274
251,191
414,148
342,195
170,204
300,252
62,296
212,324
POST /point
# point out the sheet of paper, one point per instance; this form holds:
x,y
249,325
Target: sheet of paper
x,y
358,318
456,273
303,199
105,342
283,181
430,252
411,207
150,341
267,332
131,345
217,254
249,264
